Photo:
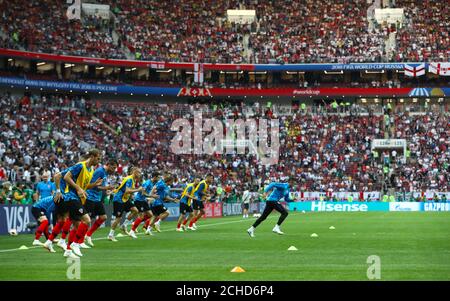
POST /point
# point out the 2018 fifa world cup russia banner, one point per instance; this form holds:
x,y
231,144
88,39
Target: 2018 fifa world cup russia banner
x,y
206,66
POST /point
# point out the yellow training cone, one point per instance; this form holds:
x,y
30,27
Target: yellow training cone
x,y
23,248
237,269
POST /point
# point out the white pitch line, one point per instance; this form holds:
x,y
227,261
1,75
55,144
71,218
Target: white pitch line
x,y
103,238
10,250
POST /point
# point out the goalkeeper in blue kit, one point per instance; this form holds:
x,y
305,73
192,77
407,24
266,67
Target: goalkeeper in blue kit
x,y
274,192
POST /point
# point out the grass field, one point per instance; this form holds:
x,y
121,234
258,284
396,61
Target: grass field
x,y
411,246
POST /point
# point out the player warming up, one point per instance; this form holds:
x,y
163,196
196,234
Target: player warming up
x,y
277,191
185,205
162,190
40,210
61,215
201,192
94,205
77,180
141,201
123,202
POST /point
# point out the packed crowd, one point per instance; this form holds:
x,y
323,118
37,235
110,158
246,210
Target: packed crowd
x,y
185,31
292,31
325,152
310,31
42,26
425,35
429,152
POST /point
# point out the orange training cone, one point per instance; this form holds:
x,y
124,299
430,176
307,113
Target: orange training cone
x,y
237,269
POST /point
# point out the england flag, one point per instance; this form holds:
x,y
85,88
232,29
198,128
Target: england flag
x,y
414,71
198,73
440,68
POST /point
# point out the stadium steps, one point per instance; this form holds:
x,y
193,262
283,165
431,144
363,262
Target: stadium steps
x,y
391,45
371,14
247,51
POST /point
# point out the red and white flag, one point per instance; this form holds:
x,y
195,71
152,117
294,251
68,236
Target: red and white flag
x,y
414,71
440,68
198,73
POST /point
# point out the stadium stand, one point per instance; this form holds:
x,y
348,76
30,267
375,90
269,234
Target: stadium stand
x,y
42,26
331,148
425,36
325,150
284,32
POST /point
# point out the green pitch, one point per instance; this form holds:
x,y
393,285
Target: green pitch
x,y
411,246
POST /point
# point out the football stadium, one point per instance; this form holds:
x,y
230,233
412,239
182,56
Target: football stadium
x,y
226,140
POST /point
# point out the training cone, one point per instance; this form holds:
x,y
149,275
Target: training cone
x,y
332,228
292,248
120,235
237,270
23,248
314,235
303,211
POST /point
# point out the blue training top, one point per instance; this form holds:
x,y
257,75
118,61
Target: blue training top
x,y
96,194
280,190
162,190
47,204
148,186
45,189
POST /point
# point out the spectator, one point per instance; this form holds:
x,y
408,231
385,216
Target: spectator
x,y
18,194
6,193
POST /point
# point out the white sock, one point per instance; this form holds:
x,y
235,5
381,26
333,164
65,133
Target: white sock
x,y
158,222
252,228
111,233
